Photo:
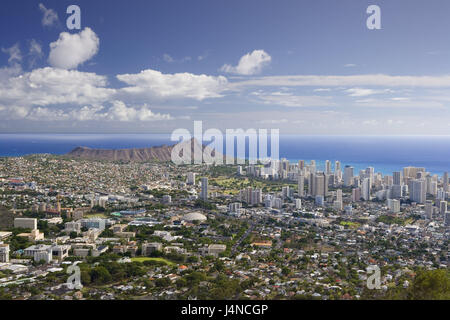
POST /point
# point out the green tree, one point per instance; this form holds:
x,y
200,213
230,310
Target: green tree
x,y
100,275
430,285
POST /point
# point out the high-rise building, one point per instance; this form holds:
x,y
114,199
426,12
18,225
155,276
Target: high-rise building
x,y
429,209
327,167
268,201
370,172
301,185
445,181
312,165
298,203
388,180
421,175
311,180
365,189
331,179
338,203
337,166
393,205
428,181
320,186
356,194
413,172
256,197
204,193
235,208
397,178
337,172
433,188
339,195
348,176
443,208
248,194
285,164
396,191
441,194
285,191
418,191
277,203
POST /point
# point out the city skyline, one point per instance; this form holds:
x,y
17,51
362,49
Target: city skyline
x,y
307,68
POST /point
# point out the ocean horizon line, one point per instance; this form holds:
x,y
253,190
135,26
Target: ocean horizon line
x,y
385,153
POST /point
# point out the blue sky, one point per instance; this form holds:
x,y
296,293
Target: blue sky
x,y
307,67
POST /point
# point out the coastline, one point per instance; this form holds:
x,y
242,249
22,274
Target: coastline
x,y
385,153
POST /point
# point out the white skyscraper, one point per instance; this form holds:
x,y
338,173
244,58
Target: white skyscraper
x,y
370,172
418,191
337,166
365,189
327,167
440,195
337,172
433,188
348,176
393,205
339,195
338,202
298,203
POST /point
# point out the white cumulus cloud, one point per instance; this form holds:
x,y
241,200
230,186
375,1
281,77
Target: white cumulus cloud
x,y
154,84
120,112
249,64
47,86
71,50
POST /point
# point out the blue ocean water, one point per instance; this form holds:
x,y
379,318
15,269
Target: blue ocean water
x,y
385,153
